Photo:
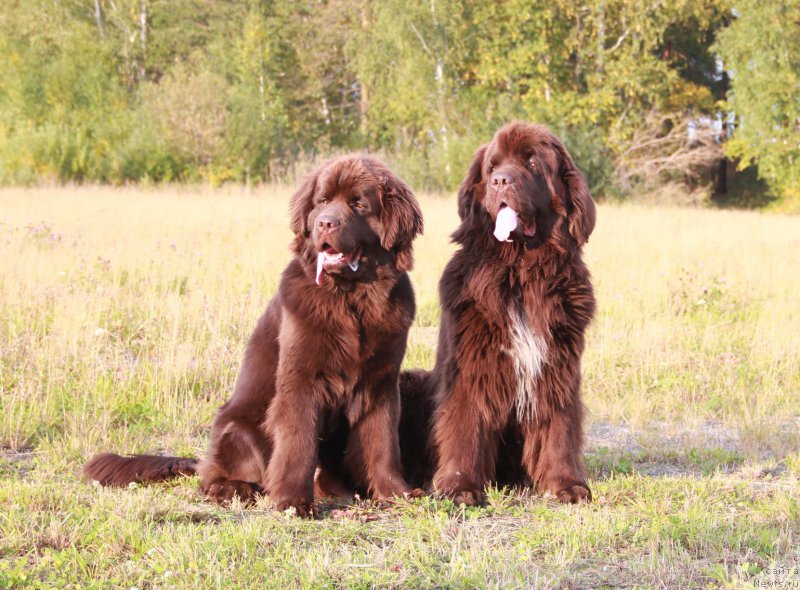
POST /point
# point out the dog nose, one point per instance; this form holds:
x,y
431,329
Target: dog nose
x,y
328,222
501,179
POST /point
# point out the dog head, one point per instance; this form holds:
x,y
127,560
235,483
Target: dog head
x,y
524,187
353,215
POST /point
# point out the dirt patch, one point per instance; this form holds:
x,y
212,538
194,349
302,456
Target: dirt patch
x,y
15,462
665,449
662,449
662,436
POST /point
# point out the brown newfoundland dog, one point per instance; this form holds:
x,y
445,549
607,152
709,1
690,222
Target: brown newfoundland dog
x,y
318,388
502,404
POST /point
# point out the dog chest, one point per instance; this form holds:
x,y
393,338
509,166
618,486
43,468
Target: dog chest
x,y
527,351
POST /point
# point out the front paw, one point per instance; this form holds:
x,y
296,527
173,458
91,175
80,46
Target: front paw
x,y
574,494
295,506
327,484
389,501
224,491
473,497
391,488
413,494
460,490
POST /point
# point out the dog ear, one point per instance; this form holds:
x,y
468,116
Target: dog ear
x,y
300,207
401,219
581,210
466,192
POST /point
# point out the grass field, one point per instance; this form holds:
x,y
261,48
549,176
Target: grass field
x,y
123,316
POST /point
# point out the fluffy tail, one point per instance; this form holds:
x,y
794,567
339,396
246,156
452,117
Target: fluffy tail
x,y
416,397
115,470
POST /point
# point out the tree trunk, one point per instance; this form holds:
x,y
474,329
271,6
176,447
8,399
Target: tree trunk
x,y
721,184
143,25
363,95
99,16
601,37
721,180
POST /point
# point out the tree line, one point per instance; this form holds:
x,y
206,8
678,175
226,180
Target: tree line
x,y
644,92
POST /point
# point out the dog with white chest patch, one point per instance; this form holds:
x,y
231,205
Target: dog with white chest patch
x,y
502,404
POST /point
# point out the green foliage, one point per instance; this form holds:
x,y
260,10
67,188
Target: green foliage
x,y
762,48
189,110
162,90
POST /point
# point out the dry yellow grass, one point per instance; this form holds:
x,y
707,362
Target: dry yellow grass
x,y
123,315
104,291
699,318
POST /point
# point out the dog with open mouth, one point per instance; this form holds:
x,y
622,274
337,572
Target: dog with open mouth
x,y
316,402
502,404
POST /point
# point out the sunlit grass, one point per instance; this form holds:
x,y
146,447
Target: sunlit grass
x,y
131,308
124,314
699,319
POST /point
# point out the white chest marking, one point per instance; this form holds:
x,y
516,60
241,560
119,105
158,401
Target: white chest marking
x,y
528,352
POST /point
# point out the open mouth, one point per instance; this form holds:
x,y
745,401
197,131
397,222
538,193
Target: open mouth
x,y
508,221
330,258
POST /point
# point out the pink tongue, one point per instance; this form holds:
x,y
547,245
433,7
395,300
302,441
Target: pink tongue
x,y
322,259
506,223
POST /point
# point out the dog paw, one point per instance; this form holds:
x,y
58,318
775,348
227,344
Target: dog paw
x,y
393,489
460,490
415,493
472,497
390,501
575,494
295,507
223,492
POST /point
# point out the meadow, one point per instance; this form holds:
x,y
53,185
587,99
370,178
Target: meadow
x,y
123,317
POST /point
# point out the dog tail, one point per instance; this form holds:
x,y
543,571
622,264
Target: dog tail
x,y
115,470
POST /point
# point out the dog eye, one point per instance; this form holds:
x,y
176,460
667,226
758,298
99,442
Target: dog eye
x,y
322,200
532,164
358,204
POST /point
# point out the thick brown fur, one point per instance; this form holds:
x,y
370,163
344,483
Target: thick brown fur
x,y
317,392
114,470
504,394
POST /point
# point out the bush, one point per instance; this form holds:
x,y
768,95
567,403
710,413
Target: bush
x,y
189,110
